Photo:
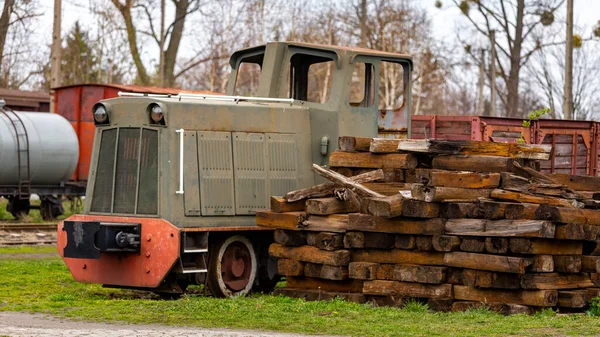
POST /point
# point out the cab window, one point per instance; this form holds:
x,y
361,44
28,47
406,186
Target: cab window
x,y
392,86
362,86
248,73
311,77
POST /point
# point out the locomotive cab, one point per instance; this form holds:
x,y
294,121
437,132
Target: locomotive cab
x,y
175,180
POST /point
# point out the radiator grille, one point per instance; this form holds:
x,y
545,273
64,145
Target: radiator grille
x,y
132,171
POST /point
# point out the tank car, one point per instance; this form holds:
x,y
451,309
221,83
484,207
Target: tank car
x,y
175,180
38,155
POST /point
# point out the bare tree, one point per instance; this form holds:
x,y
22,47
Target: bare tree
x,y
173,34
517,24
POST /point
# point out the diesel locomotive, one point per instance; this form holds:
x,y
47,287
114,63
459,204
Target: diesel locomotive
x,y
175,180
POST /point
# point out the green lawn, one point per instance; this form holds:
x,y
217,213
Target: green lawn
x,y
46,286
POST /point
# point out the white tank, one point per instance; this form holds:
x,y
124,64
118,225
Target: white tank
x,y
53,148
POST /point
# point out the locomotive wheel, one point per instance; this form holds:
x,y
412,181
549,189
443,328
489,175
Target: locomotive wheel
x,y
18,207
232,267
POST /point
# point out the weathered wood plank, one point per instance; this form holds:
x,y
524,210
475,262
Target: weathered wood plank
x,y
399,257
578,183
280,205
345,286
488,279
441,178
567,263
325,240
548,281
511,182
289,220
419,274
345,182
424,242
534,199
545,247
472,244
375,161
500,263
385,272
572,298
520,211
445,243
326,189
337,223
542,264
577,232
504,228
336,273
454,210
590,264
351,144
473,163
405,289
387,207
369,223
289,238
311,254
472,147
326,206
384,145
405,242
363,270
496,245
388,189
568,215
289,267
448,194
420,209
538,298
369,240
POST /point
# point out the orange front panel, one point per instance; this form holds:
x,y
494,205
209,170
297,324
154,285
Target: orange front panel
x,y
159,252
86,142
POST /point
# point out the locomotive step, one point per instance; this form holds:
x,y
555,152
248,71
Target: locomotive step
x,y
194,270
195,250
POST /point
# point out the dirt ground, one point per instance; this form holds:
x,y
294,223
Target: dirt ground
x,y
16,324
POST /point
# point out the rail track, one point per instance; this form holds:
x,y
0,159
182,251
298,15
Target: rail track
x,y
27,234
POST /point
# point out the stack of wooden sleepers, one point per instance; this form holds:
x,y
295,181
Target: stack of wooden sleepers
x,y
456,224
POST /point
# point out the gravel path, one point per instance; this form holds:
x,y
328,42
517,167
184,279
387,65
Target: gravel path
x,y
15,324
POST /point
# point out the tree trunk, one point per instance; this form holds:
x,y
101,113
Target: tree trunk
x,y
515,64
170,57
4,22
125,11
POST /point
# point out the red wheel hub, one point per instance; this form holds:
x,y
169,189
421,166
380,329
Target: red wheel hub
x,y
236,266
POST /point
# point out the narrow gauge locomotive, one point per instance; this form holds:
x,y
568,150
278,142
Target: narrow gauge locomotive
x,y
175,180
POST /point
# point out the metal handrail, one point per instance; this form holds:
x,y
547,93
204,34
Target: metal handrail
x,y
235,99
180,132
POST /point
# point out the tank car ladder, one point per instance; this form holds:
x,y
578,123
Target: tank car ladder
x,y
24,187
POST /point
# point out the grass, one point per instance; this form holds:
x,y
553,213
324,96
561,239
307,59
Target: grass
x,y
45,286
34,215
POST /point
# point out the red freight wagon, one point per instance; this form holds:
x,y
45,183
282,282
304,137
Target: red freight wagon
x,y
575,143
75,102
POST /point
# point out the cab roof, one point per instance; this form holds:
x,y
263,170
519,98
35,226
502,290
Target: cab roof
x,y
352,52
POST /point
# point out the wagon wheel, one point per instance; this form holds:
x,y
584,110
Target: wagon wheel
x,y
51,207
232,267
18,207
268,276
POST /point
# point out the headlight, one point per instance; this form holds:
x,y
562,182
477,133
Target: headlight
x,y
100,114
156,113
